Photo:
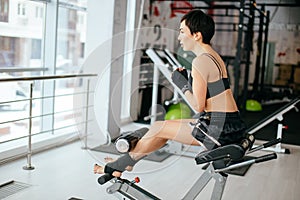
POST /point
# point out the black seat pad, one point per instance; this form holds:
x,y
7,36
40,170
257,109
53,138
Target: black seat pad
x,y
231,152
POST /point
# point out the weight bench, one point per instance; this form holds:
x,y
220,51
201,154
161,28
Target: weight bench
x,y
278,114
221,160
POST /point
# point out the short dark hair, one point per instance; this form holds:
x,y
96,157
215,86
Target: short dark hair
x,y
198,21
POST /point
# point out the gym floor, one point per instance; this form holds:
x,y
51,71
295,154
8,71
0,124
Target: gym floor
x,y
66,172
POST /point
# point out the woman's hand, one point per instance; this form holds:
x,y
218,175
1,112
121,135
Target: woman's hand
x,y
180,77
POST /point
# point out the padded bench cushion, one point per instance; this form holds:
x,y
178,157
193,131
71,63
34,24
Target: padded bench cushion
x,y
233,152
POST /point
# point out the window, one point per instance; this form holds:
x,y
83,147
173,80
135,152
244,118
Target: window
x,y
70,44
39,12
21,9
4,10
36,49
71,37
22,41
21,38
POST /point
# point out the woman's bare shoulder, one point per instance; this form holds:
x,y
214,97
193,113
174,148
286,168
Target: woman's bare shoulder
x,y
201,63
201,59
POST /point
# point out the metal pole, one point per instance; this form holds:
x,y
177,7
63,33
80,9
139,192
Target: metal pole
x,y
29,152
249,48
258,58
86,115
237,60
154,93
266,32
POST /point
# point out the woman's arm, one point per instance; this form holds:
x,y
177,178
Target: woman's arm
x,y
197,98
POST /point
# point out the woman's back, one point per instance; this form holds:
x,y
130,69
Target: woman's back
x,y
219,96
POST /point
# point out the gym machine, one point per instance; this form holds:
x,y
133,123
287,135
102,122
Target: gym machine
x,y
166,63
279,116
221,160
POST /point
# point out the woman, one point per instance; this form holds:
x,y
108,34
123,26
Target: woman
x,y
207,90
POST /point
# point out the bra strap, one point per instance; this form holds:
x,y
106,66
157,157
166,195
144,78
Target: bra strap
x,y
216,63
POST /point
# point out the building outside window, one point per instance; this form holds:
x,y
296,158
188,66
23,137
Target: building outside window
x,y
4,6
22,39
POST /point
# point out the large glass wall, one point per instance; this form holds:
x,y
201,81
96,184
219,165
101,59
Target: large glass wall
x,y
24,32
70,55
21,54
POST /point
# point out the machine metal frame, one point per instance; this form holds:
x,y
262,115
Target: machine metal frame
x,y
279,116
130,190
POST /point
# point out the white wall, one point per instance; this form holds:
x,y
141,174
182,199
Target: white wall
x,y
285,32
98,51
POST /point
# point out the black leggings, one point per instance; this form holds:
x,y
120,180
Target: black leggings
x,y
215,129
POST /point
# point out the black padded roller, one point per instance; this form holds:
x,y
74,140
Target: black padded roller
x,y
128,140
105,178
266,158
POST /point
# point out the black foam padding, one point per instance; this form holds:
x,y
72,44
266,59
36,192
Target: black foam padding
x,y
240,171
105,178
136,134
132,138
232,152
120,164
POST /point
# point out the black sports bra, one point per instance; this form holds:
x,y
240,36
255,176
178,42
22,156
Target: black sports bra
x,y
217,87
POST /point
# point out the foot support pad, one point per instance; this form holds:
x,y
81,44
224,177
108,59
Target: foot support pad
x,y
120,164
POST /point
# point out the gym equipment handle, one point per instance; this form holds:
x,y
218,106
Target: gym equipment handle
x,y
266,158
268,144
105,178
272,142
